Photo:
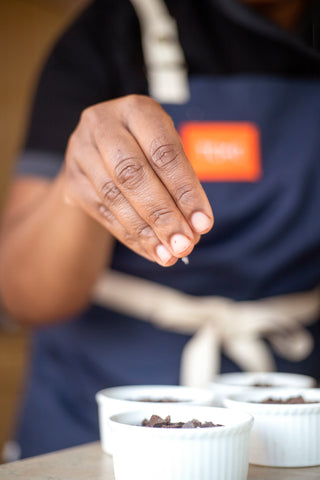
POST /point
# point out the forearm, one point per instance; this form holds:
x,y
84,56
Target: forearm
x,y
51,254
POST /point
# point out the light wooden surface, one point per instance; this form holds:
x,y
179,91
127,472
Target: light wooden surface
x,y
88,462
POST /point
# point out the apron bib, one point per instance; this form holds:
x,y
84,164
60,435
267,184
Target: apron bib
x,y
258,141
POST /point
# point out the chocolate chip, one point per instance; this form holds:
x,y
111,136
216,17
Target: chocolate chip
x,y
157,422
262,385
290,401
156,400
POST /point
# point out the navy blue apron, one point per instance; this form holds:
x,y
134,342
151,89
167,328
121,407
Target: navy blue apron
x,y
266,241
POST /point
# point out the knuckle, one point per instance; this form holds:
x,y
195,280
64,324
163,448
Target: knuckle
x,y
135,101
72,170
161,216
88,115
139,104
184,195
129,172
144,232
109,192
94,118
105,213
79,150
74,147
128,239
164,154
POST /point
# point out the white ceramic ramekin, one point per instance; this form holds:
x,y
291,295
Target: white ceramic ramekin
x,y
231,383
120,399
283,435
142,453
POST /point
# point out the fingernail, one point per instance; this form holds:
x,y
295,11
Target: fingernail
x,y
163,253
200,222
179,243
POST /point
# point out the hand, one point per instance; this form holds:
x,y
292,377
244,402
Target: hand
x,y
126,168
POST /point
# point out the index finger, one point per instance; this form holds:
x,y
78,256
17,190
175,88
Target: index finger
x,y
154,130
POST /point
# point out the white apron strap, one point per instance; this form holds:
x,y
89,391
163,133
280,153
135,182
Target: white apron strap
x,y
217,323
163,55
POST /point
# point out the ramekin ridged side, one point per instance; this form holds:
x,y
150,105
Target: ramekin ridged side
x,y
283,435
227,384
120,399
141,453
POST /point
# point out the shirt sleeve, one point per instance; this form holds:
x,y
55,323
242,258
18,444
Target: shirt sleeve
x,y
89,64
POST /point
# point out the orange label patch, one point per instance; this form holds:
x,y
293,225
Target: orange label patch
x,y
225,152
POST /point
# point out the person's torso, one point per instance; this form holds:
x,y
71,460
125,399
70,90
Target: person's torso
x,y
266,238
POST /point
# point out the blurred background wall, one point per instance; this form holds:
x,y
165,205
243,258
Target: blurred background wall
x,y
28,28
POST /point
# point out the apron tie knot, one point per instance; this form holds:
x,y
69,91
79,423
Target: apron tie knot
x,y
243,330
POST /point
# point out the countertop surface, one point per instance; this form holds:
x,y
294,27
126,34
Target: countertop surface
x,y
88,462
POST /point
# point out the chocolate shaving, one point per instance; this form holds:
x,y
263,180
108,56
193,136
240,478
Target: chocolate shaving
x,y
290,401
157,422
262,385
156,400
